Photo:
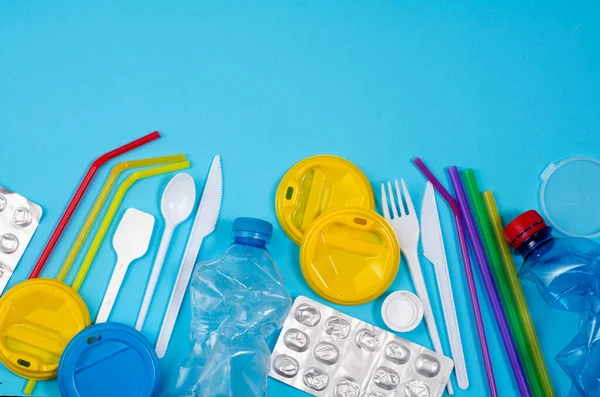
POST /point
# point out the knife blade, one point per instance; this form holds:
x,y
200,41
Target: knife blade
x,y
204,224
431,230
434,251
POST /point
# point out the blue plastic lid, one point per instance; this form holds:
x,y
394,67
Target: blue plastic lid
x,y
252,228
109,359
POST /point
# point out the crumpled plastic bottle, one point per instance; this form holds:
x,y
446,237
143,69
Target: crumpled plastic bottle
x,y
238,302
567,274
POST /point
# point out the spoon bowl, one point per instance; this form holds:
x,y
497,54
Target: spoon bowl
x,y
178,199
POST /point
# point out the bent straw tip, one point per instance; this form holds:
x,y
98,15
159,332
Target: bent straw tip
x,y
29,386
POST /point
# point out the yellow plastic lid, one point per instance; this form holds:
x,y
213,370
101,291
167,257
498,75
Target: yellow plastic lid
x,y
38,318
350,256
318,184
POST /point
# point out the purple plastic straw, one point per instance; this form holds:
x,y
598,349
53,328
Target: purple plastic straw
x,y
485,351
488,281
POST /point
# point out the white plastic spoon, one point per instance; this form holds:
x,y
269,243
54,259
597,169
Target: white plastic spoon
x,y
176,206
131,242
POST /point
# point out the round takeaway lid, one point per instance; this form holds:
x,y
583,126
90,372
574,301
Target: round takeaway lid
x,y
350,256
570,196
316,185
109,359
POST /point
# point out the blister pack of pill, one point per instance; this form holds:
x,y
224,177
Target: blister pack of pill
x,y
327,353
19,219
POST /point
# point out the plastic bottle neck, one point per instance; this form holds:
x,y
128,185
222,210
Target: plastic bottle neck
x,y
534,243
250,241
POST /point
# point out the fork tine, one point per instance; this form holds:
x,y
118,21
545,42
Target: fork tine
x,y
399,196
392,201
384,203
409,203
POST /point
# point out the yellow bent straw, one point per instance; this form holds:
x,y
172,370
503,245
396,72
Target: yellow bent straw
x,y
511,272
112,178
112,209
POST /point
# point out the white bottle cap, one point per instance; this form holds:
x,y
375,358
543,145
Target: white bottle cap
x,y
402,311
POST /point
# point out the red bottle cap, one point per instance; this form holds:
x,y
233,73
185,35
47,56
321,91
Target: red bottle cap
x,y
523,227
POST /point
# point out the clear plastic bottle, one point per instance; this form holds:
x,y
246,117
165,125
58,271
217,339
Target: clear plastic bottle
x,y
238,302
567,274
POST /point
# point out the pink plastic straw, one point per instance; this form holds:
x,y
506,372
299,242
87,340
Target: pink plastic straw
x,y
464,249
488,281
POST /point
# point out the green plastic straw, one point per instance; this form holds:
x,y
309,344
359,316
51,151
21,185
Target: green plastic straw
x,y
511,272
504,288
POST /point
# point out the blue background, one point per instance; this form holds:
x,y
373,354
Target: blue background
x,y
504,87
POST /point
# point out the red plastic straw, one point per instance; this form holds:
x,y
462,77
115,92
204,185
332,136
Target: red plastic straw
x,y
464,248
62,224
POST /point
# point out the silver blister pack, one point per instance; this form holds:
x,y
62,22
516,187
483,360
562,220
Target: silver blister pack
x,y
19,219
327,353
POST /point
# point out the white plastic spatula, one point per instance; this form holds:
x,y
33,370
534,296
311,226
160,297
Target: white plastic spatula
x,y
131,242
176,206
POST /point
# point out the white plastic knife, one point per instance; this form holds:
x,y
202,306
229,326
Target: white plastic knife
x,y
433,250
204,224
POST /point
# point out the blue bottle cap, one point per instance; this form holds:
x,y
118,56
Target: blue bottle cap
x,y
109,359
252,228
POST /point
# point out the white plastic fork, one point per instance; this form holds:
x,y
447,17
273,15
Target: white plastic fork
x,y
406,227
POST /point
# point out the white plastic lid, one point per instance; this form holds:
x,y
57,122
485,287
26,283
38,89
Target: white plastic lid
x,y
402,311
570,196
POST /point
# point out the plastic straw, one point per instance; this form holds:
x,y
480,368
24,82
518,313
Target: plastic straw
x,y
66,217
485,352
112,178
514,284
112,210
506,295
486,274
